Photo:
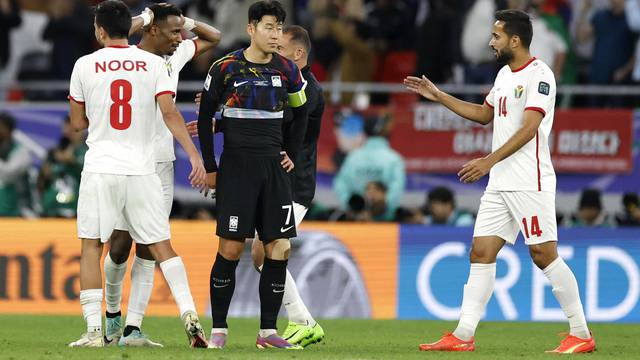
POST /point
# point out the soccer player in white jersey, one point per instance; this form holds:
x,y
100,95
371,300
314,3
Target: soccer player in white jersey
x,y
520,195
113,92
162,25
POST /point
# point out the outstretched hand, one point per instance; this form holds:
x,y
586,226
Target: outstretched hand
x,y
422,86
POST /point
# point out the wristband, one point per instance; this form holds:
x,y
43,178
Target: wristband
x,y
189,24
146,18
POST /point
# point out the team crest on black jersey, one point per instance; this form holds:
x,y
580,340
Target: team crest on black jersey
x,y
275,81
519,90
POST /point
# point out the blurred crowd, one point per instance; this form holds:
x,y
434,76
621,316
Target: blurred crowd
x,y
583,41
369,186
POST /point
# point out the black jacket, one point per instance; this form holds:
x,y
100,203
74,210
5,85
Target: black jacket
x,y
304,174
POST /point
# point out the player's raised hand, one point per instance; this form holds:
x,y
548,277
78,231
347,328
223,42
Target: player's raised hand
x,y
286,162
150,13
474,170
197,175
422,86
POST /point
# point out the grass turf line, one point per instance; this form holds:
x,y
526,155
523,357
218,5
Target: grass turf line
x,y
45,337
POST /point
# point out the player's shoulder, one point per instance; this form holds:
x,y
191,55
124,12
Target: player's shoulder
x,y
539,67
222,63
288,64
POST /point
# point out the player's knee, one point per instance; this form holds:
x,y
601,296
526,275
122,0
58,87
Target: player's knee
x,y
120,242
231,249
482,255
542,256
279,249
143,252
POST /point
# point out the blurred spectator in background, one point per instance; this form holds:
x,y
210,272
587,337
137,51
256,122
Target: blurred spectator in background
x,y
70,30
551,41
440,209
612,59
375,200
59,177
9,19
590,212
481,67
631,214
357,59
14,164
374,161
437,39
390,25
632,11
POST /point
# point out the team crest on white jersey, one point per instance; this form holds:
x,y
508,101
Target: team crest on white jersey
x,y
169,68
519,90
275,81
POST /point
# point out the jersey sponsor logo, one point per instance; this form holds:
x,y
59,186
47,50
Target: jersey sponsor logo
x,y
261,83
543,88
519,90
276,81
233,223
236,84
207,82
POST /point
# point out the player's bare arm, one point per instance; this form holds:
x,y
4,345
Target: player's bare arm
x,y
138,22
481,114
477,168
208,36
175,123
78,116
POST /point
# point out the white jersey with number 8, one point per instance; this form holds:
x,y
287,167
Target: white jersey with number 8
x,y
532,87
117,86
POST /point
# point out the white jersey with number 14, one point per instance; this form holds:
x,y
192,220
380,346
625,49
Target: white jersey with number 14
x,y
532,87
118,87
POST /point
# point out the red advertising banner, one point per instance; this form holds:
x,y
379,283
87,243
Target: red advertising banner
x,y
433,139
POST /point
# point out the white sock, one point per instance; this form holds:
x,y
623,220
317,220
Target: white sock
x,y
477,292
91,301
113,276
565,289
219,331
142,273
296,309
267,332
176,275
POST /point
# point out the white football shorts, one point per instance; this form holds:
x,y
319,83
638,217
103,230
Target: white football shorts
x,y
165,171
505,213
105,198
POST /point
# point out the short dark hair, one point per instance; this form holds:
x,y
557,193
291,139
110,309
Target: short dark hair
x,y
8,121
114,17
590,198
517,22
299,35
162,11
378,185
264,8
440,194
630,199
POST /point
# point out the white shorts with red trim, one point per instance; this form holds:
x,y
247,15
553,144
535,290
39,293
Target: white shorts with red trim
x,y
505,213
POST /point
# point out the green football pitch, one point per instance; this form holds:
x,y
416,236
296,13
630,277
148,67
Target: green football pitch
x,y
45,337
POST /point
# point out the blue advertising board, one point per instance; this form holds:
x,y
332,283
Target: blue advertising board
x,y
434,265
